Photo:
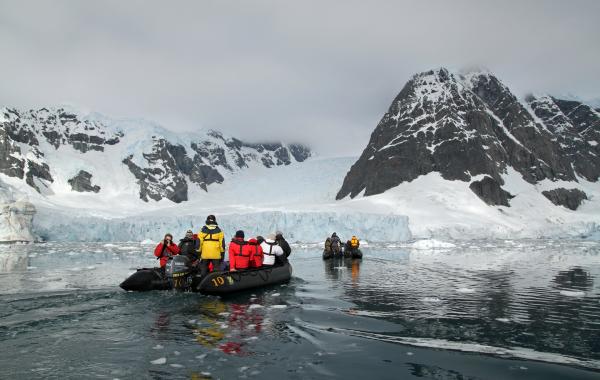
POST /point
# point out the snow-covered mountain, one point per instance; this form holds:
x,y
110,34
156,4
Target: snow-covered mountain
x,y
460,154
91,177
456,156
471,128
57,151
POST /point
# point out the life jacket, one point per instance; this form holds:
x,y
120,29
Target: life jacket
x,y
212,243
239,254
354,242
256,257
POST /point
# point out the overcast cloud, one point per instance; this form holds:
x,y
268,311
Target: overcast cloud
x,y
321,72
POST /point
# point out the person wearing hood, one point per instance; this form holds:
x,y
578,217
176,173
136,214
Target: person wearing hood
x,y
336,243
165,249
189,246
256,252
283,243
211,245
272,253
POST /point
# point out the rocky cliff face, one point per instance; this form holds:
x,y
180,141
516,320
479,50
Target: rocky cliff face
x,y
464,126
36,147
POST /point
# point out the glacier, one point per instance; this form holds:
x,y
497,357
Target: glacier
x,y
296,226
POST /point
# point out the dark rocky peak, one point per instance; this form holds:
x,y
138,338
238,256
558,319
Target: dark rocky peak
x,y
545,108
576,132
583,117
157,174
434,124
58,127
470,125
531,147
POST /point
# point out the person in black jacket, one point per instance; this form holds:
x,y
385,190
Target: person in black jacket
x,y
189,246
283,244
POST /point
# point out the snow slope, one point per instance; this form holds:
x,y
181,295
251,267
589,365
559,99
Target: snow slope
x,y
297,199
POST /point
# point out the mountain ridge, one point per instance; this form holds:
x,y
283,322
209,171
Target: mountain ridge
x,y
162,163
469,125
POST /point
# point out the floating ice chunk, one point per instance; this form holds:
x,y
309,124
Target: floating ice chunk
x,y
201,357
254,306
503,320
158,347
465,290
242,369
174,365
128,248
30,268
278,306
109,245
177,353
90,267
275,294
431,244
409,353
431,299
572,293
159,361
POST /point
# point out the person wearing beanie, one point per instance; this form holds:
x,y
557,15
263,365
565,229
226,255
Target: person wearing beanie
x,y
189,246
271,251
211,245
283,243
240,253
165,249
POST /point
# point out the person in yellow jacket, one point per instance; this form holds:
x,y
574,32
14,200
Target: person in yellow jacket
x,y
212,245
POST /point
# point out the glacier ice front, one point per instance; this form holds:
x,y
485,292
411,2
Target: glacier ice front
x,y
297,226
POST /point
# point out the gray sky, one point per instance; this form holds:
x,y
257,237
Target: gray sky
x,y
322,72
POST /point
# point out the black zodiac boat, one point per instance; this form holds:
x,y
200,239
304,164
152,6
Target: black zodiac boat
x,y
355,253
180,275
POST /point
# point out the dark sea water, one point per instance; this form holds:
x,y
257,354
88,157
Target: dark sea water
x,y
479,310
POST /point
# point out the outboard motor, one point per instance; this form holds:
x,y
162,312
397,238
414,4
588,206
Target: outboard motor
x,y
179,272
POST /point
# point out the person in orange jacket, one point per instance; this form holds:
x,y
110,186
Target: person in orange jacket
x,y
166,249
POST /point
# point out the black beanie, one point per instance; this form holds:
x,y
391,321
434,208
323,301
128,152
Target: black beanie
x,y
239,234
211,219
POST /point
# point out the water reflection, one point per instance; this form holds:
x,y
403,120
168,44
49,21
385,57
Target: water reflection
x,y
337,267
434,372
14,261
575,278
227,326
468,297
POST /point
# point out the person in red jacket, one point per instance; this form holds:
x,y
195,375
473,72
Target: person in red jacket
x,y
164,249
239,255
256,253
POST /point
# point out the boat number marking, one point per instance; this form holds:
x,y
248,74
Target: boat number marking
x,y
218,281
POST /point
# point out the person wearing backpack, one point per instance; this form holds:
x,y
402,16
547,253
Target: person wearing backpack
x,y
211,245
